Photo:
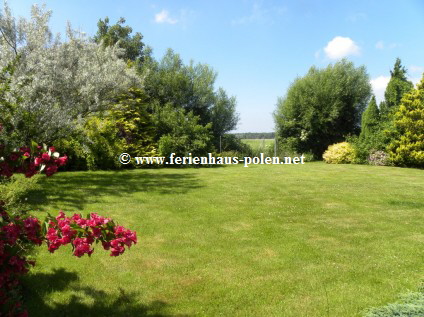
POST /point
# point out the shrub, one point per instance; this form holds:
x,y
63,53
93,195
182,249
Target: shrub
x,y
407,146
379,158
18,233
339,153
409,305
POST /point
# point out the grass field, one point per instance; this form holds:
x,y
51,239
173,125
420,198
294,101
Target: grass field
x,y
259,144
284,240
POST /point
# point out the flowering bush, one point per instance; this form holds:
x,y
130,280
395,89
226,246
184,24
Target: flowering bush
x,y
379,158
80,232
339,153
30,161
19,233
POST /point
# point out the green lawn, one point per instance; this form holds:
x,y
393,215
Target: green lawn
x,y
283,240
259,144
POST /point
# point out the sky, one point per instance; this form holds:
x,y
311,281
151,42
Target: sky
x,y
258,48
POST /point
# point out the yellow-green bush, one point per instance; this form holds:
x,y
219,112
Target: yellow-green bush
x,y
339,153
407,146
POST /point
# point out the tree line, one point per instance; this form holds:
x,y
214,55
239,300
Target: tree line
x,y
97,97
332,105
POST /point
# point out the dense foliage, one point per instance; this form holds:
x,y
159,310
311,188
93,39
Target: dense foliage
x,y
322,107
407,146
396,88
340,153
53,85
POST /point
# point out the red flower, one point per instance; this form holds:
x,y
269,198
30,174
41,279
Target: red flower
x,y
50,170
14,156
38,161
45,157
62,160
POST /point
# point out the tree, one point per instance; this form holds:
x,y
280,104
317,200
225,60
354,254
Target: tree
x,y
396,88
118,34
322,107
223,114
407,146
180,132
54,83
171,84
370,120
190,87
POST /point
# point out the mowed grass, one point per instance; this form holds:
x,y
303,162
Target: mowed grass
x,y
270,240
259,144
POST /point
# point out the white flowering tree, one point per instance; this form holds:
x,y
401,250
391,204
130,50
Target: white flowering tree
x,y
50,86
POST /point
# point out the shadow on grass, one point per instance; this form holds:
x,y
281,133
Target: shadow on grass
x,y
406,204
73,190
37,286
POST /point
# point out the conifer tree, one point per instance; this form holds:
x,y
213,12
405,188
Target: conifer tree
x,y
370,120
397,86
407,146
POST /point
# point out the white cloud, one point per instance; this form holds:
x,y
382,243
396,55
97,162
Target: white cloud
x,y
340,47
379,85
379,45
164,17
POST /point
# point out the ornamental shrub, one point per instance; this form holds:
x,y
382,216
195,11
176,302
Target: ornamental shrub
x,y
379,158
409,305
18,233
407,146
339,153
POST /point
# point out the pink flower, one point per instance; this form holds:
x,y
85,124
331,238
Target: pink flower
x,y
50,170
38,161
61,215
62,160
45,157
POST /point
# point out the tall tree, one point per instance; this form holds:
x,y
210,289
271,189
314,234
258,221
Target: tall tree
x,y
223,114
407,146
54,83
120,34
190,87
370,123
396,88
322,107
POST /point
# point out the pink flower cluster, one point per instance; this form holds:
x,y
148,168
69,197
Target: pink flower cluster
x,y
56,231
83,232
30,161
14,233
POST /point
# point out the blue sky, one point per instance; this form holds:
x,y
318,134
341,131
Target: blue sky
x,y
259,47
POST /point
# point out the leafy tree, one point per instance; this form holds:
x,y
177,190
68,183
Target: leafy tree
x,y
181,132
190,87
110,35
396,88
135,123
370,120
171,84
407,147
322,108
53,82
223,114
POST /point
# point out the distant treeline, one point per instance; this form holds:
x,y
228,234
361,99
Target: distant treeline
x,y
255,135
